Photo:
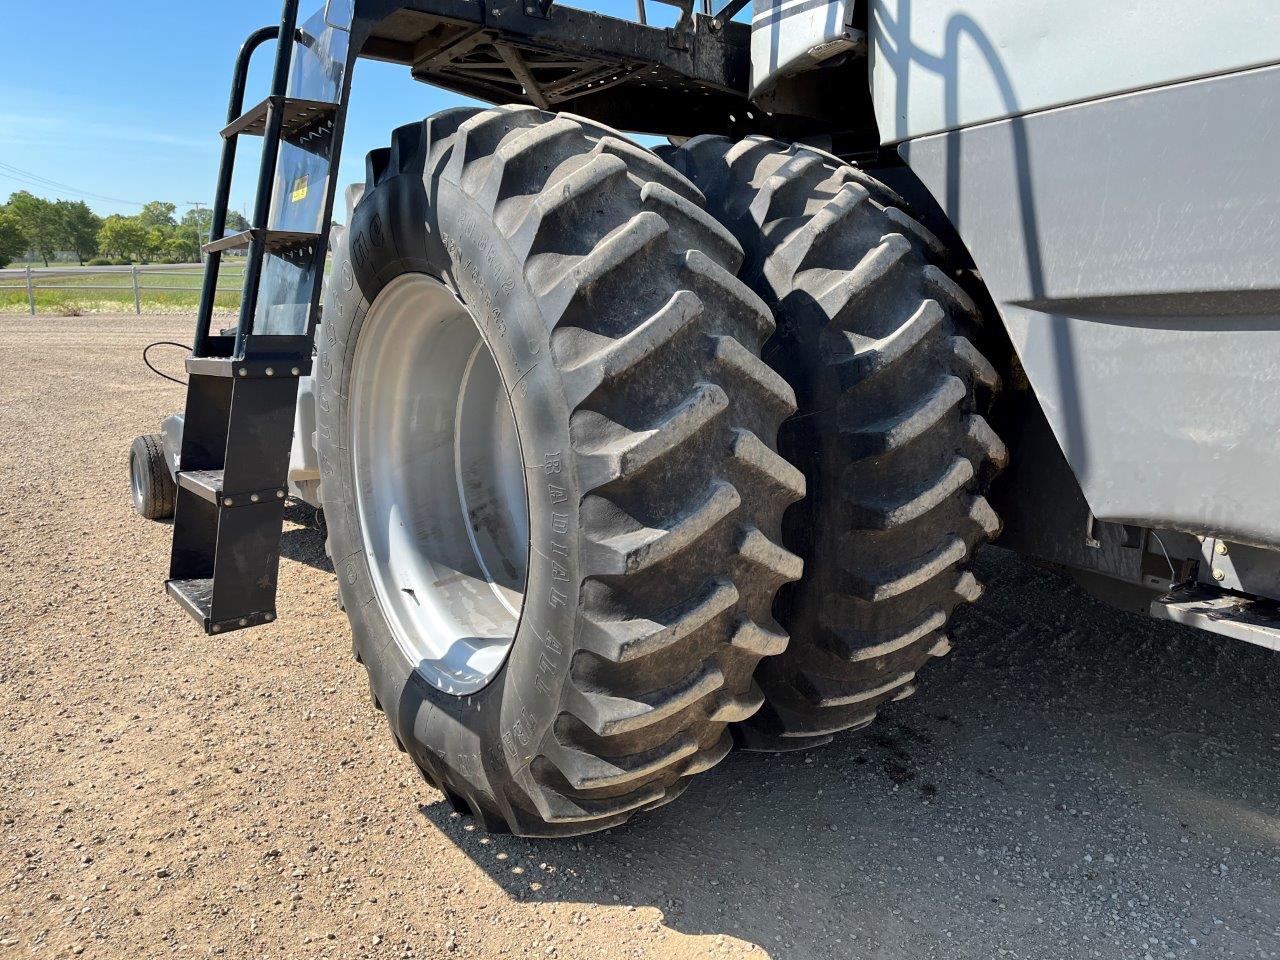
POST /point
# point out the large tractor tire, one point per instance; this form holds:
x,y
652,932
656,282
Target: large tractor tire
x,y
874,337
549,467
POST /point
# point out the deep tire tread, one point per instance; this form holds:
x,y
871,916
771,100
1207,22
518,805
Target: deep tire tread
x,y
680,545
876,338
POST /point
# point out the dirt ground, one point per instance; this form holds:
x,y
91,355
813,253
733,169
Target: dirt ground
x,y
1071,782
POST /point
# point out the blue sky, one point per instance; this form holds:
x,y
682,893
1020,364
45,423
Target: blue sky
x,y
124,100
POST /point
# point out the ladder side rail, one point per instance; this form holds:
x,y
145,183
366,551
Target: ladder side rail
x,y
222,195
267,172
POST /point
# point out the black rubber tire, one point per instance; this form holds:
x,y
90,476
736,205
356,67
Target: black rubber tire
x,y
875,338
650,422
151,485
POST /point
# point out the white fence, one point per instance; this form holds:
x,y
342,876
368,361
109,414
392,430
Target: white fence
x,y
138,280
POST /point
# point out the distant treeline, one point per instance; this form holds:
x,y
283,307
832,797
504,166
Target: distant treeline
x,y
33,226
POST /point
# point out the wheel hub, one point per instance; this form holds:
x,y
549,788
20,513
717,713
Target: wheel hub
x,y
440,486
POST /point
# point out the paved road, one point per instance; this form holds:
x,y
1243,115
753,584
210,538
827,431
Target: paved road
x,y
1071,782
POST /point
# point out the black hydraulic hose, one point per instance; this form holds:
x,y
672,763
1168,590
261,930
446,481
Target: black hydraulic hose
x,y
151,367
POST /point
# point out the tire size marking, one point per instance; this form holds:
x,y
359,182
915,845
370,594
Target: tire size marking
x,y
477,270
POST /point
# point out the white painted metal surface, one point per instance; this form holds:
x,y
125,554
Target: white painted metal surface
x,y
788,36
941,64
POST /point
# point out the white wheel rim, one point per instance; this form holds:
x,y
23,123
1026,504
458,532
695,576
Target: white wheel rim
x,y
135,480
440,487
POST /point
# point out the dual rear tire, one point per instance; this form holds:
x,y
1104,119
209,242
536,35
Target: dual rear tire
x,y
550,459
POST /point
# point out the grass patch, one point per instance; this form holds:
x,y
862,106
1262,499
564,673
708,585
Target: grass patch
x,y
164,291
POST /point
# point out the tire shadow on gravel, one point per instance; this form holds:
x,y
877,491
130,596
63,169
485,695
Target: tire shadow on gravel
x,y
1071,781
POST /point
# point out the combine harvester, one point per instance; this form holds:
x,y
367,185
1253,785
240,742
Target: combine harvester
x,y
626,455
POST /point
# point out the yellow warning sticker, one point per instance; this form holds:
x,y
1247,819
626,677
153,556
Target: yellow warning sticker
x,y
299,189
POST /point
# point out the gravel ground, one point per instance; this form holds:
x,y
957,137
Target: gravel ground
x,y
1071,782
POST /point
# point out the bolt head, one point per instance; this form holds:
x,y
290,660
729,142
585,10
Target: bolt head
x,y
253,498
215,628
270,372
1219,575
295,371
244,372
1221,548
268,617
279,494
244,621
227,501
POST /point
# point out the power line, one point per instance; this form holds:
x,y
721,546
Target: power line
x,y
36,180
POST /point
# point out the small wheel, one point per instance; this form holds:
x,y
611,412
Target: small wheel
x,y
149,477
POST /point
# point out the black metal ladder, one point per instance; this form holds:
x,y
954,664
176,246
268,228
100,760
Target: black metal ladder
x,y
242,391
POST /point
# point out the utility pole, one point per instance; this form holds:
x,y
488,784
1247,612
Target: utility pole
x,y
199,244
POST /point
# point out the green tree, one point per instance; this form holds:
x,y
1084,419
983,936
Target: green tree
x,y
185,245
157,213
201,217
181,246
123,237
204,220
39,221
13,239
80,227
158,240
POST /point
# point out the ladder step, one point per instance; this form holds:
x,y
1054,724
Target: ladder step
x,y
259,368
196,597
208,485
300,120
279,242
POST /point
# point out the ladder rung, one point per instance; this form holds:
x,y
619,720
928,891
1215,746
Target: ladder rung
x,y
279,242
300,118
208,484
196,597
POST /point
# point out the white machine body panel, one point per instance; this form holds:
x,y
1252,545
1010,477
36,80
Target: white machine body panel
x,y
942,64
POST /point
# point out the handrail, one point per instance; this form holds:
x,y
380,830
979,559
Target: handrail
x,y
222,195
266,173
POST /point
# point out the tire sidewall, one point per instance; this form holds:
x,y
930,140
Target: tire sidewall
x,y
478,745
